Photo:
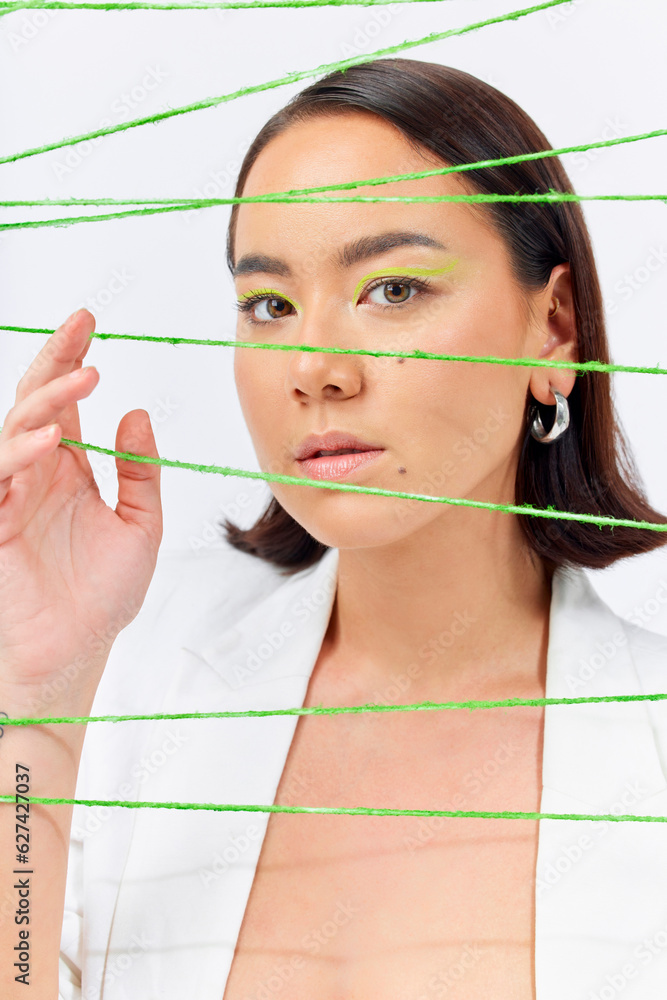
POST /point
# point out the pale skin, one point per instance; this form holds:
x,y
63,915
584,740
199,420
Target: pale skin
x,y
74,573
449,557
408,571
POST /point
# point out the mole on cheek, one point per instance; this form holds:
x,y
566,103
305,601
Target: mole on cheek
x,y
401,469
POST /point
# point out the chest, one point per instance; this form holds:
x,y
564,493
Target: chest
x,y
351,906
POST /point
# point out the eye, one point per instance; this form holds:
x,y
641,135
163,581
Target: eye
x,y
276,307
394,291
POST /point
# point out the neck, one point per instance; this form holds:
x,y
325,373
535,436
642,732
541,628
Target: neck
x,y
460,607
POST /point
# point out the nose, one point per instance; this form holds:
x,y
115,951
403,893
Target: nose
x,y
315,376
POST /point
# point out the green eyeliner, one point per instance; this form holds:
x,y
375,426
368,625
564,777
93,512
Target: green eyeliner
x,y
268,291
410,272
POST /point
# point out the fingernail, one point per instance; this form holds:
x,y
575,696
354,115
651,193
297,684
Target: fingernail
x,y
46,432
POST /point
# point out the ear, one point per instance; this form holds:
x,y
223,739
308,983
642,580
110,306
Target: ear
x,y
555,337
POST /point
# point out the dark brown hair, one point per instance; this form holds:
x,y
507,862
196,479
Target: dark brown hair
x,y
461,119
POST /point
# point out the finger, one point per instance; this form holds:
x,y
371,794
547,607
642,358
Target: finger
x,y
63,351
70,419
47,403
138,482
22,451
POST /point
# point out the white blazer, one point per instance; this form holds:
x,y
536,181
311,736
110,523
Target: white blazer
x,y
155,897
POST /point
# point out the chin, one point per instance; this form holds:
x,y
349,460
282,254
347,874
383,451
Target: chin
x,y
345,521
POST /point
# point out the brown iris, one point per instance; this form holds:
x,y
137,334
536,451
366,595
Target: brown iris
x,y
280,305
390,287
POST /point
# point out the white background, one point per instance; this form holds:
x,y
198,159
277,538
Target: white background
x,y
584,71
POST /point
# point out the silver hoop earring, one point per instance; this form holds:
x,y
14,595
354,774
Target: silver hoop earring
x,y
561,421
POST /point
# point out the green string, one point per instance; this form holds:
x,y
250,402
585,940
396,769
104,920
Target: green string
x,y
370,181
351,811
199,203
580,366
7,8
292,77
173,205
259,713
191,203
275,477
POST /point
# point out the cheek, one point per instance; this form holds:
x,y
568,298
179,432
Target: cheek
x,y
260,383
467,394
428,400
454,420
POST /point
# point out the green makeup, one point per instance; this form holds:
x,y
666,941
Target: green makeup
x,y
409,272
268,291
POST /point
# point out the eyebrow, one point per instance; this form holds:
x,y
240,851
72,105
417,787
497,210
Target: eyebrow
x,y
350,254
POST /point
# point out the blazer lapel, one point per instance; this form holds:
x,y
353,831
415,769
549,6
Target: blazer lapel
x,y
188,873
600,885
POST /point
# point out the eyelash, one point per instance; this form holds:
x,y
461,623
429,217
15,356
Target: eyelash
x,y
421,284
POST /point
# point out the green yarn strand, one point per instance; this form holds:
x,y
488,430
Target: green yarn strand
x,y
289,78
577,366
334,810
259,713
274,477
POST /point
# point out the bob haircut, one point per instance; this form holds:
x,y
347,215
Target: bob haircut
x,y
462,119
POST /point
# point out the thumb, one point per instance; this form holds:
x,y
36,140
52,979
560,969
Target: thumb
x,y
138,482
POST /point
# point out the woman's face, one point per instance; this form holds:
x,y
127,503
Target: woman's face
x,y
356,276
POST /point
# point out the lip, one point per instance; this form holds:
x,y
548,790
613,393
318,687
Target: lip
x,y
332,441
338,466
335,466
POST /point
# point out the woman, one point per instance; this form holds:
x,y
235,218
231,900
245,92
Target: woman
x,y
337,598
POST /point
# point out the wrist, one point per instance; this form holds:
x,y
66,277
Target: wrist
x,y
46,699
